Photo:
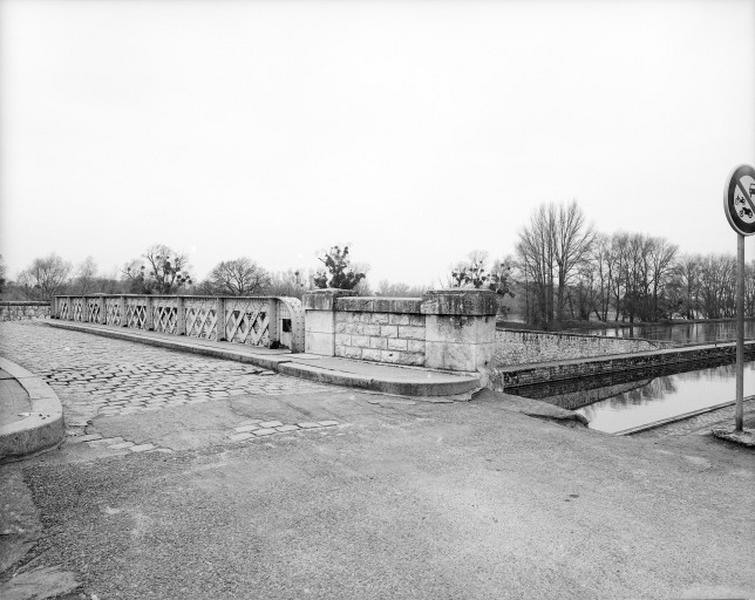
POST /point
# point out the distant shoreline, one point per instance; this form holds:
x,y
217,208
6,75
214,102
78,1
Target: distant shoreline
x,y
602,325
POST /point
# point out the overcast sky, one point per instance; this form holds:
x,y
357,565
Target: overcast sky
x,y
416,131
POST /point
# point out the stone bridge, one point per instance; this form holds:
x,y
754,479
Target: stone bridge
x,y
448,329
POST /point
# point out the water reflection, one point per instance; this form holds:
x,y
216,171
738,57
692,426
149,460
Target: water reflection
x,y
682,333
620,405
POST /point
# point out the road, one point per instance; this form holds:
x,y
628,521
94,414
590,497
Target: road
x,y
363,495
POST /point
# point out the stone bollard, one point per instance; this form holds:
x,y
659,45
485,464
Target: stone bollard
x,y
320,320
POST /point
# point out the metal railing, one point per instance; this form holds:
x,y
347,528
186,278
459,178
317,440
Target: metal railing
x,y
264,321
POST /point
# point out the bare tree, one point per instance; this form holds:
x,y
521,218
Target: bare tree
x,y
604,267
45,277
551,249
238,277
293,282
662,257
86,276
535,250
399,290
717,282
3,270
573,241
163,271
688,276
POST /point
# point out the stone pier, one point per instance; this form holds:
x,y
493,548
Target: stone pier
x,y
444,329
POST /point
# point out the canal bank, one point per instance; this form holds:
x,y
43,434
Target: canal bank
x,y
515,376
629,401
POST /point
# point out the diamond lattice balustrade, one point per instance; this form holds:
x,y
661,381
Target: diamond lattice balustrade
x,y
64,309
93,311
247,322
112,311
136,313
165,315
200,317
77,309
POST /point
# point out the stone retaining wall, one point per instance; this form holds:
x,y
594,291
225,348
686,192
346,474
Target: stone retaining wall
x,y
19,311
505,378
521,347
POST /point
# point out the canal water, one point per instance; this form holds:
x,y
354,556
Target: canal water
x,y
618,402
680,333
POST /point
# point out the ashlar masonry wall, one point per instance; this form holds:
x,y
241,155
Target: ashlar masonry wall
x,y
390,330
444,329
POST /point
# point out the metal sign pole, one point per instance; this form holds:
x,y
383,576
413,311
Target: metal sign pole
x,y
739,208
738,411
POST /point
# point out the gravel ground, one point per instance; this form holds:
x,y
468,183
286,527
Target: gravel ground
x,y
412,500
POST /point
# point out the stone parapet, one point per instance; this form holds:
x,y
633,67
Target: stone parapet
x,y
521,346
444,329
22,310
319,320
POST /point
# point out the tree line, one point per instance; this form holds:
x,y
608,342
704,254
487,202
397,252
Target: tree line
x,y
566,270
161,270
561,270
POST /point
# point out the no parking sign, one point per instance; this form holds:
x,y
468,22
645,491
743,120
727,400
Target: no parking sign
x,y
739,206
739,200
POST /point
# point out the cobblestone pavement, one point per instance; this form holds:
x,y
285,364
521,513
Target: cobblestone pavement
x,y
241,431
94,375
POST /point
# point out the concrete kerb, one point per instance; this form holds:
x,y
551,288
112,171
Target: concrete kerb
x,y
676,418
745,438
43,428
386,385
283,362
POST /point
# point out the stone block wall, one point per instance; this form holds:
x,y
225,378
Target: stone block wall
x,y
521,347
381,336
445,329
19,311
508,377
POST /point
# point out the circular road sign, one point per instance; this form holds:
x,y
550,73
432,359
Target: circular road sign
x,y
739,200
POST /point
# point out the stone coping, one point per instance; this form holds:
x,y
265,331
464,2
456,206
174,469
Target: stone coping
x,y
453,302
379,304
574,334
460,302
42,428
680,351
170,296
24,303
